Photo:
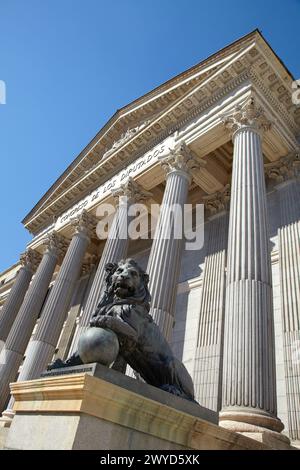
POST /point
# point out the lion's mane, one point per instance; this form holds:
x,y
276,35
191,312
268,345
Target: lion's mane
x,y
109,297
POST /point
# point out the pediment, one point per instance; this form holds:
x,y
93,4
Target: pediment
x,y
141,124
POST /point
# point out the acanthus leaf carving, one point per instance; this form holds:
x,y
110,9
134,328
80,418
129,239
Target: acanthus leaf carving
x,y
218,201
30,259
247,115
132,190
85,224
181,159
287,167
56,244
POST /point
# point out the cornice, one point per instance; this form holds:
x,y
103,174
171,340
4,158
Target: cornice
x,y
129,113
175,126
273,101
189,73
187,107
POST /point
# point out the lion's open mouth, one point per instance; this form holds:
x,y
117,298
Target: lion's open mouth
x,y
123,289
122,285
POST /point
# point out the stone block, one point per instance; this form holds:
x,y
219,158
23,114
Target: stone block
x,y
105,410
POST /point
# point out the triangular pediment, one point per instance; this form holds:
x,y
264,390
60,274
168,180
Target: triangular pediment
x,y
143,122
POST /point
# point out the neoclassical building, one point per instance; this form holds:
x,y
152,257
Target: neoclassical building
x,y
224,134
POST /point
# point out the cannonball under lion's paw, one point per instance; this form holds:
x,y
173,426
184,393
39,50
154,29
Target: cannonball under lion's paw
x,y
98,345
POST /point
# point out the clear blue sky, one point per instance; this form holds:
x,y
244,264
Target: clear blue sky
x,y
69,64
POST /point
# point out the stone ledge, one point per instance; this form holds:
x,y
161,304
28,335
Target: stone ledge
x,y
139,387
80,411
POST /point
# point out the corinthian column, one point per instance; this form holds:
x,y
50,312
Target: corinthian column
x,y
29,261
165,256
209,348
12,355
249,383
42,346
286,172
116,244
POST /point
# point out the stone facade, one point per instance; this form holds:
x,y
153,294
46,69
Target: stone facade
x,y
223,134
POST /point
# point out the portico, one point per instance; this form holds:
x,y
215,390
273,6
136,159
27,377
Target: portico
x,y
222,134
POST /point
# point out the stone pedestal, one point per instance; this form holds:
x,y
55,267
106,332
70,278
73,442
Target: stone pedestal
x,y
108,411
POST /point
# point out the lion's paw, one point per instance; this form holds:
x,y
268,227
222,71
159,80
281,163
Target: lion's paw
x,y
57,364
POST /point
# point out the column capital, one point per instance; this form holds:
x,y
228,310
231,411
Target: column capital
x,y
30,259
56,244
247,115
85,224
132,190
180,160
218,201
284,169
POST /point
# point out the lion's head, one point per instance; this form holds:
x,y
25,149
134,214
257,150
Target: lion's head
x,y
127,280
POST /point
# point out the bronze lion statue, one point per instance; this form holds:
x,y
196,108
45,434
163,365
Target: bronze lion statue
x,y
124,308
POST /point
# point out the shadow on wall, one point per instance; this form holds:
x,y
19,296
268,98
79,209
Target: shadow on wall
x,y
178,337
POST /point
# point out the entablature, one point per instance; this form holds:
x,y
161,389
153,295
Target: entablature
x,y
181,103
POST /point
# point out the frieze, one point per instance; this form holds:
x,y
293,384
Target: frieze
x,y
193,113
106,189
125,137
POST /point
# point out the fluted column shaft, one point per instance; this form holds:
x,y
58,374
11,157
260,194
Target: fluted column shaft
x,y
249,382
42,346
17,293
165,256
73,346
289,262
209,348
16,343
286,173
166,252
115,248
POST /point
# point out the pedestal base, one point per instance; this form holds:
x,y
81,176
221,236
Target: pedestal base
x,y
112,411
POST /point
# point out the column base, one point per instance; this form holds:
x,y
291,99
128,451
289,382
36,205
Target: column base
x,y
296,444
256,425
